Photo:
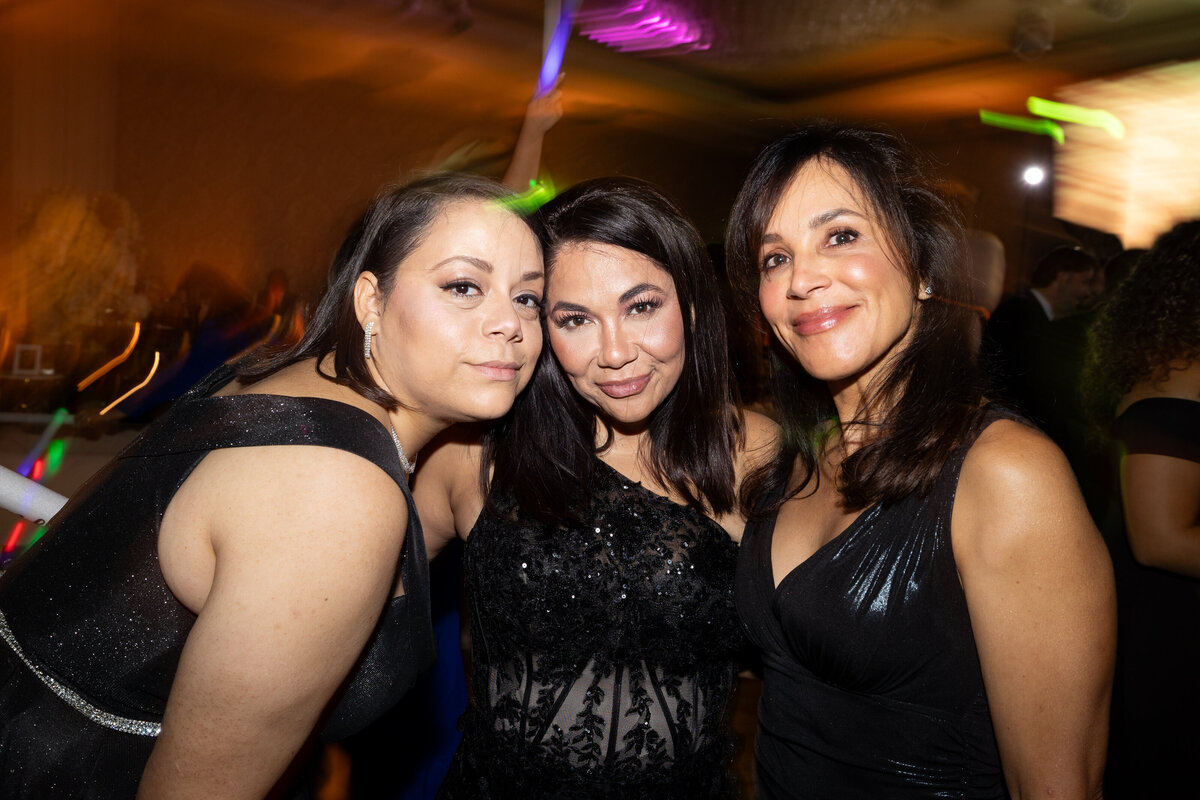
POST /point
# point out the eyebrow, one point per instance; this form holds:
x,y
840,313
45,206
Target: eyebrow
x,y
563,305
816,222
487,267
636,290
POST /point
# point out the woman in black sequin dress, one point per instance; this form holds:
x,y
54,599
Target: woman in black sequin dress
x,y
934,606
599,560
189,615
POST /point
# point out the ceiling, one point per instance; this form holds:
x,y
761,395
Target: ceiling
x,y
902,61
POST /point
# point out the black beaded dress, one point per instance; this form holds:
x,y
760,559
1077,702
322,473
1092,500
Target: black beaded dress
x,y
604,654
93,635
872,686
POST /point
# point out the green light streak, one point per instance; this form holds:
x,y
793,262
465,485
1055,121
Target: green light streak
x,y
540,193
54,456
1024,124
1091,117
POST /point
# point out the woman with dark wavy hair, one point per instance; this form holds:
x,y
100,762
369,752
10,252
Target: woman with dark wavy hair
x,y
1144,369
251,569
601,534
933,604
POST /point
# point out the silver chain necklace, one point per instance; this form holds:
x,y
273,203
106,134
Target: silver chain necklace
x,y
408,466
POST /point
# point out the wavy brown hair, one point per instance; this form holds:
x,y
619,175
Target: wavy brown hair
x,y
928,399
1151,320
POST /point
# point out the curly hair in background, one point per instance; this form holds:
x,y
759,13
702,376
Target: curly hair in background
x,y
1151,321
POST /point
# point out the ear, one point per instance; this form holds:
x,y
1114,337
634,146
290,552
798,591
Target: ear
x,y
368,299
924,289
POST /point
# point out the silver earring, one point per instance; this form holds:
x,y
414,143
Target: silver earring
x,y
928,290
367,339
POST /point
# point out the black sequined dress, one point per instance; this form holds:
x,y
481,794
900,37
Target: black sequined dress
x,y
872,686
604,655
93,635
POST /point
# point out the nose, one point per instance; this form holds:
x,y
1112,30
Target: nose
x,y
616,350
807,276
503,321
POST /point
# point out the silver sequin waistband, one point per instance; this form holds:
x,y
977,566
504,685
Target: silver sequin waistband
x,y
72,698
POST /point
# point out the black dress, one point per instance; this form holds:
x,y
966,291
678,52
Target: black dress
x,y
92,635
871,683
1155,742
604,655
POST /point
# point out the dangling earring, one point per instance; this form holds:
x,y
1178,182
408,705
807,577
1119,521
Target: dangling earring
x,y
367,339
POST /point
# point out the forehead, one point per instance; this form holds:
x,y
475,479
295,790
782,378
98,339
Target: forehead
x,y
819,185
603,269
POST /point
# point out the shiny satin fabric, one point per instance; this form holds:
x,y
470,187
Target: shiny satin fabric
x,y
871,682
89,606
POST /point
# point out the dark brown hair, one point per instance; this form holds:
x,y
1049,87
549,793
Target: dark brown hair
x,y
393,226
544,451
1151,320
928,397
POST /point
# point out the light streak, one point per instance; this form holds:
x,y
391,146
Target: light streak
x,y
1025,124
116,362
1065,112
60,416
556,49
153,369
15,536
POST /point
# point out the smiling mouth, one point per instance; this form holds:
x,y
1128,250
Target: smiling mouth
x,y
499,370
628,388
820,320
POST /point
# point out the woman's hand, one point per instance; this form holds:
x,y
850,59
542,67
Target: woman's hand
x,y
305,542
1039,587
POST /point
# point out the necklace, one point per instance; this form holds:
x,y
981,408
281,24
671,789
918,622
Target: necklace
x,y
405,464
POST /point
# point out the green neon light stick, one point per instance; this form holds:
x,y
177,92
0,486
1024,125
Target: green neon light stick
x,y
1092,117
1025,124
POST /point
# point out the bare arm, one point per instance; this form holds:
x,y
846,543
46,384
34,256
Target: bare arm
x,y
304,562
1162,511
540,116
446,488
757,448
1039,587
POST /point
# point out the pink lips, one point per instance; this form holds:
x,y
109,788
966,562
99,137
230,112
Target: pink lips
x,y
820,320
499,370
619,389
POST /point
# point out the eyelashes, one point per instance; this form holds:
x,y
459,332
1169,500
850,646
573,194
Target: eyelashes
x,y
637,307
836,238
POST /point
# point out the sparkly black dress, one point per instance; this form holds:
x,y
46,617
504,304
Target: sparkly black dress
x,y
603,655
872,685
92,635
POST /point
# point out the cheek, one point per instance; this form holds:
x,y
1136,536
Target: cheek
x,y
570,350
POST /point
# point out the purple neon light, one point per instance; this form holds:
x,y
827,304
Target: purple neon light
x,y
642,26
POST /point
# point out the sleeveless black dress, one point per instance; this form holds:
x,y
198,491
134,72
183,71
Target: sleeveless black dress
x,y
871,682
92,635
1154,746
604,655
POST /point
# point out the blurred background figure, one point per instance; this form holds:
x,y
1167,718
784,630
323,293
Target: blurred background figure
x,y
1144,370
1033,345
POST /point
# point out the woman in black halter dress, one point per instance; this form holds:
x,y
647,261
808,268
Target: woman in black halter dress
x,y
599,558
183,625
933,605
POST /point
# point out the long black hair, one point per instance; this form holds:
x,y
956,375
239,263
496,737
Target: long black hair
x,y
926,402
393,226
543,452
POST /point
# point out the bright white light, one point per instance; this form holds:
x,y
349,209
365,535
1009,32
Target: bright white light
x,y
1034,175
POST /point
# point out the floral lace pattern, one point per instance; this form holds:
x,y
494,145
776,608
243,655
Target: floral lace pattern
x,y
604,655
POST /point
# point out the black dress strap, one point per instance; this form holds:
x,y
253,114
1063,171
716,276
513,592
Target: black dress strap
x,y
1164,426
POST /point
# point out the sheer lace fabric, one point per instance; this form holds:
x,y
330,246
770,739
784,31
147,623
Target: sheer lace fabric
x,y
603,655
